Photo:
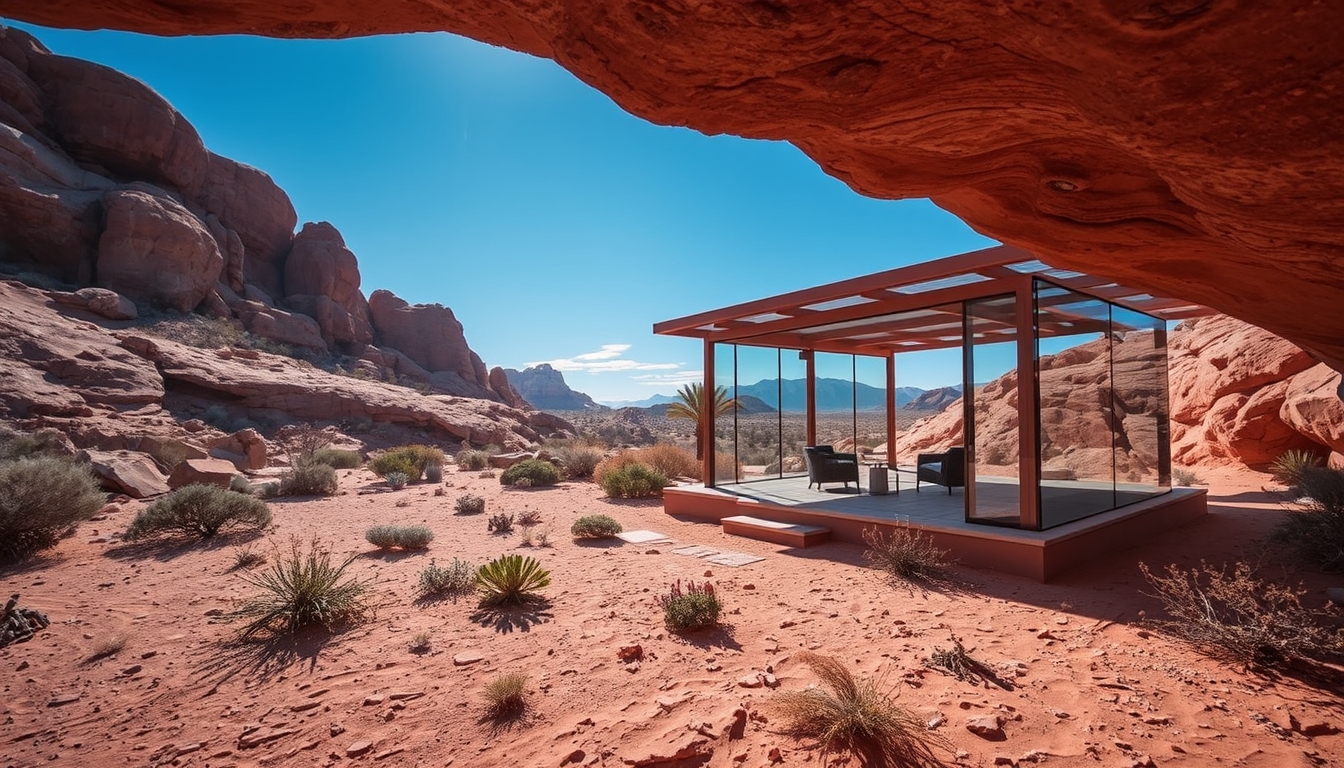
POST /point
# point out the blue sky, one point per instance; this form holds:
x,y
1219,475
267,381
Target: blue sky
x,y
557,227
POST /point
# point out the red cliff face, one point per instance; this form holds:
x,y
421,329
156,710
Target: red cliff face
x,y
1190,149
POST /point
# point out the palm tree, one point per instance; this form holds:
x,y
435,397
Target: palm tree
x,y
692,404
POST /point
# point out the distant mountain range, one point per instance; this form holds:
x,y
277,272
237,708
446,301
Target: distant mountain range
x,y
645,403
832,394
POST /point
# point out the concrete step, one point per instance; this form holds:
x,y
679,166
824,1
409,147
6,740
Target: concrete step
x,y
788,534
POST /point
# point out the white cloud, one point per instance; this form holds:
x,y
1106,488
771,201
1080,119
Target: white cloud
x,y
605,360
666,379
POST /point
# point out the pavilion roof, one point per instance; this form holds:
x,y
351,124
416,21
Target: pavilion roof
x,y
916,307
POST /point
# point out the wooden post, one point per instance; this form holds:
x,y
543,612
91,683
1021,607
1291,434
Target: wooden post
x,y
1028,411
811,397
891,410
707,419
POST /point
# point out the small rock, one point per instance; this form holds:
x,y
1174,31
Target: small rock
x,y
1003,760
467,657
770,680
708,574
60,701
574,758
748,586
787,623
631,652
149,654
775,756
131,670
987,727
750,681
373,701
358,748
336,729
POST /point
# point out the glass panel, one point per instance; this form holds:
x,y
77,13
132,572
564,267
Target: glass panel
x,y
992,471
835,395
1139,377
870,381
725,425
1073,365
791,399
758,443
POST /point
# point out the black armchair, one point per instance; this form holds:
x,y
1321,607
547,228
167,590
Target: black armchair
x,y
824,465
948,468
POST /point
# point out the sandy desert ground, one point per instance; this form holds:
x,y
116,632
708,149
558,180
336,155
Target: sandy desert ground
x,y
1086,682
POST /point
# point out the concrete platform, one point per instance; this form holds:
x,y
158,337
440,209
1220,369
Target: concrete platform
x,y
788,534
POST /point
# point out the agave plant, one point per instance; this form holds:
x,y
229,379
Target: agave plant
x,y
511,579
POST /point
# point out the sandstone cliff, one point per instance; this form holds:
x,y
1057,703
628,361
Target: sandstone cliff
x,y
545,388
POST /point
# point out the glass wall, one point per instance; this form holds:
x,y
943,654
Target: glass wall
x,y
725,425
992,484
1101,377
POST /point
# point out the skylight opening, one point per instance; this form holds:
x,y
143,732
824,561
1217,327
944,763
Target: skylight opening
x,y
956,281
1029,267
766,317
848,301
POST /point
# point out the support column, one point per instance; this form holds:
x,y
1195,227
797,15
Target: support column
x,y
891,410
811,358
707,419
1028,411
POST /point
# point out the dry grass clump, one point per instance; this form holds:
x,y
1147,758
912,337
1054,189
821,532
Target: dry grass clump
x,y
469,458
337,458
577,460
956,661
199,510
664,459
1234,615
500,523
469,504
855,715
40,498
420,643
452,580
506,696
1313,525
246,557
534,534
301,589
109,645
907,554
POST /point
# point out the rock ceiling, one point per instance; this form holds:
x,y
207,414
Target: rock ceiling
x,y
1194,148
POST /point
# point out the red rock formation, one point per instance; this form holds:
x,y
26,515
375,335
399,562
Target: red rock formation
x,y
153,249
1191,150
322,281
429,335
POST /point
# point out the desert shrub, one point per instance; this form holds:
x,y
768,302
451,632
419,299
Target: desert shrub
x,y
409,459
669,460
218,417
268,490
506,696
488,474
535,472
693,608
109,645
301,589
534,535
907,554
726,467
595,527
529,517
337,458
957,661
511,579
22,445
1314,524
469,504
612,464
456,579
434,473
199,510
578,461
40,498
399,536
856,715
1185,477
500,523
1234,615
397,480
240,484
420,642
474,460
311,479
634,481
246,557
1287,469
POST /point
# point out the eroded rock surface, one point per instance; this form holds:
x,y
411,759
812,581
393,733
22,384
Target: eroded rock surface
x,y
1194,149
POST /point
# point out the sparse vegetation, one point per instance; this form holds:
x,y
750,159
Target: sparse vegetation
x,y
434,473
469,504
109,645
669,460
511,579
856,715
595,527
1185,477
199,510
246,557
410,460
337,458
530,473
1287,469
956,661
1232,614
690,609
420,642
458,578
397,480
908,554
633,481
472,459
301,589
500,523
1313,525
41,497
23,445
240,484
506,696
309,479
529,517
405,537
578,461
488,474
534,535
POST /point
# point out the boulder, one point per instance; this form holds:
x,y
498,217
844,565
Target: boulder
x,y
169,451
499,384
506,460
129,472
100,301
154,249
280,326
206,471
1312,406
248,202
322,280
246,449
428,334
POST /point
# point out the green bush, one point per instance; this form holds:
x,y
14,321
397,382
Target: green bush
x,y
399,536
579,461
690,609
633,481
309,480
21,445
1314,524
410,459
434,473
40,498
240,484
1287,469
469,504
337,458
511,579
532,473
199,510
471,459
456,579
302,589
397,480
595,527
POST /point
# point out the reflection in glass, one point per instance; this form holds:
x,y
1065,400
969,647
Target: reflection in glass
x,y
1139,382
725,425
992,470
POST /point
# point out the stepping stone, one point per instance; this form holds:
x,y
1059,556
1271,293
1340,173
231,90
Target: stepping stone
x,y
787,534
641,537
696,551
733,559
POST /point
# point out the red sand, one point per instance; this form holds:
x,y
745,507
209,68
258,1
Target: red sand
x,y
1090,685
